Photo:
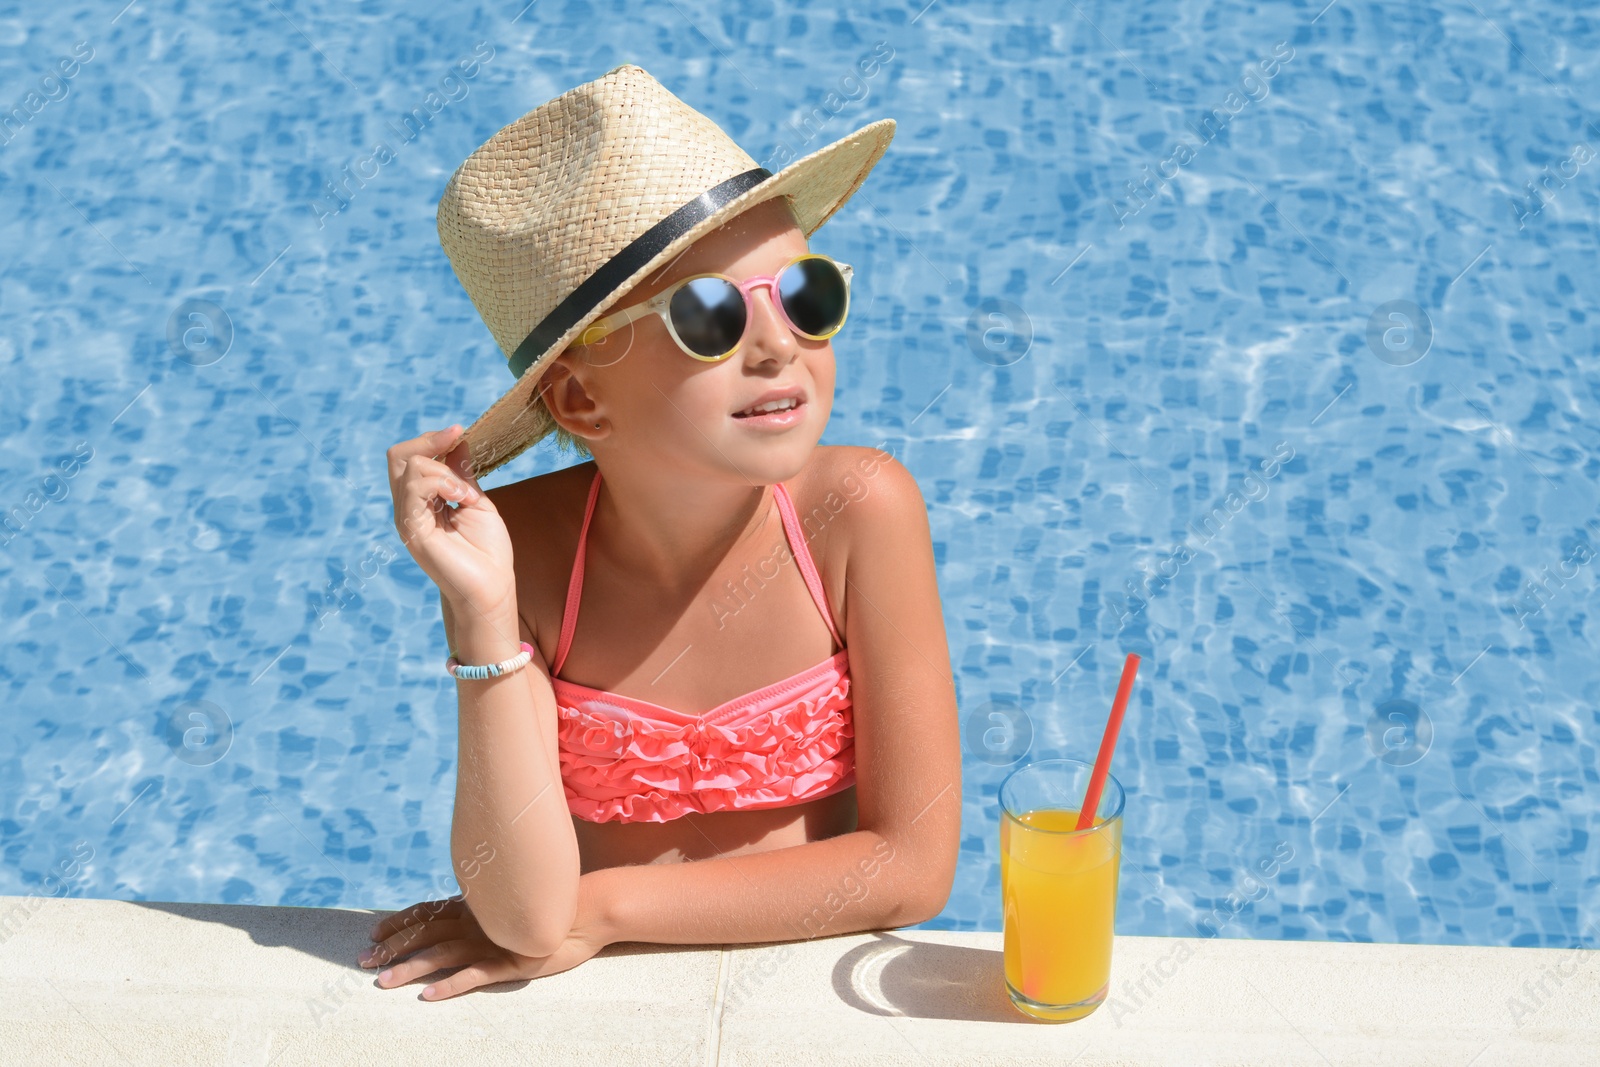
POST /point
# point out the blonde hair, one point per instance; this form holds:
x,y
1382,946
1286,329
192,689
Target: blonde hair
x,y
545,425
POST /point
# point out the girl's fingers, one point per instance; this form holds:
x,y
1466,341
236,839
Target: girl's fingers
x,y
413,462
426,480
387,925
421,912
484,972
428,487
429,444
424,500
435,957
459,458
414,937
449,908
420,465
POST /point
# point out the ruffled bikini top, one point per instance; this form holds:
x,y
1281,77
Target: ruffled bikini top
x,y
627,760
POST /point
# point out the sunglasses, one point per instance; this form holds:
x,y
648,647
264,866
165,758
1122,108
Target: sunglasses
x,y
707,314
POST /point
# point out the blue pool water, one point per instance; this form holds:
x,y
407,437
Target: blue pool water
x,y
1282,376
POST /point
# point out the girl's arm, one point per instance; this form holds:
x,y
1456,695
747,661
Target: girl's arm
x,y
852,882
897,867
511,839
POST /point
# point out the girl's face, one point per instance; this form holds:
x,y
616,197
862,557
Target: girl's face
x,y
658,405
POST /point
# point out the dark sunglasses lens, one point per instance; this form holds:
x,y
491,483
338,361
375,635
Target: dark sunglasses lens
x,y
814,295
709,315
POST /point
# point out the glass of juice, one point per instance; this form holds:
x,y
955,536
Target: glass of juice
x,y
1059,888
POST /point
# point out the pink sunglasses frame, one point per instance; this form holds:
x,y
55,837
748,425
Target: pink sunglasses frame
x,y
661,304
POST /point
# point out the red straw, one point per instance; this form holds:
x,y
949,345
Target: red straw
x,y
1102,762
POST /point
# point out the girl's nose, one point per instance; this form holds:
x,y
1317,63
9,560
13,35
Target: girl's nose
x,y
768,336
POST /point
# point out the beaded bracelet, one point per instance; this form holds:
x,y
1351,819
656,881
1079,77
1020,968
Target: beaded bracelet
x,y
490,670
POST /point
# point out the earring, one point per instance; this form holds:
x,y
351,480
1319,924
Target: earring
x,y
597,425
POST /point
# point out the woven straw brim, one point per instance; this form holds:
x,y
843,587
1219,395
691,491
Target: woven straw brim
x,y
818,185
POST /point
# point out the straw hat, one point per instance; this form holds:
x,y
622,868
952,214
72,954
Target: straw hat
x,y
558,215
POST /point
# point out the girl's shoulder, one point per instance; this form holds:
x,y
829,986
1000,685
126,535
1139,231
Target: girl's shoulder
x,y
855,504
545,508
543,516
850,491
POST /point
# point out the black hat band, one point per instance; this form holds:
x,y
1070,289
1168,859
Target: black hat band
x,y
616,270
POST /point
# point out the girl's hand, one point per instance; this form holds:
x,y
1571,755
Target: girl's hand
x,y
443,933
465,550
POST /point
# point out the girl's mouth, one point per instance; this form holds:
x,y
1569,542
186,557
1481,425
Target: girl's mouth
x,y
774,415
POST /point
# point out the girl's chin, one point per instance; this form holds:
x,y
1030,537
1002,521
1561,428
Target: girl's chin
x,y
767,457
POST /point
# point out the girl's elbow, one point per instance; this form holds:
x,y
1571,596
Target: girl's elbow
x,y
927,906
516,928
528,936
539,943
931,895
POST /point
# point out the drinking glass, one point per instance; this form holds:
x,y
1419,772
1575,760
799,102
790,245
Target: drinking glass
x,y
1059,888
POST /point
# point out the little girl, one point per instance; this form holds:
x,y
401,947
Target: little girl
x,y
705,693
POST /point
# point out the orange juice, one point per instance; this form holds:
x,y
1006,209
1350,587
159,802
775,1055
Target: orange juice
x,y
1059,892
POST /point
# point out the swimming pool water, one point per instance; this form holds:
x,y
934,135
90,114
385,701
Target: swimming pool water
x,y
1256,339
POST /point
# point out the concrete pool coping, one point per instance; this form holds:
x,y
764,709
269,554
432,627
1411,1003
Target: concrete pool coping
x,y
114,982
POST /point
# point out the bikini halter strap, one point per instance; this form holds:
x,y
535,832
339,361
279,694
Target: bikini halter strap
x,y
792,530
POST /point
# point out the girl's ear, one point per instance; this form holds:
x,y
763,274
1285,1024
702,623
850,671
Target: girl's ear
x,y
565,396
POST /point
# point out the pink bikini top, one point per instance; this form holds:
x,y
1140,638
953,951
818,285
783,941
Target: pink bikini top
x,y
627,760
